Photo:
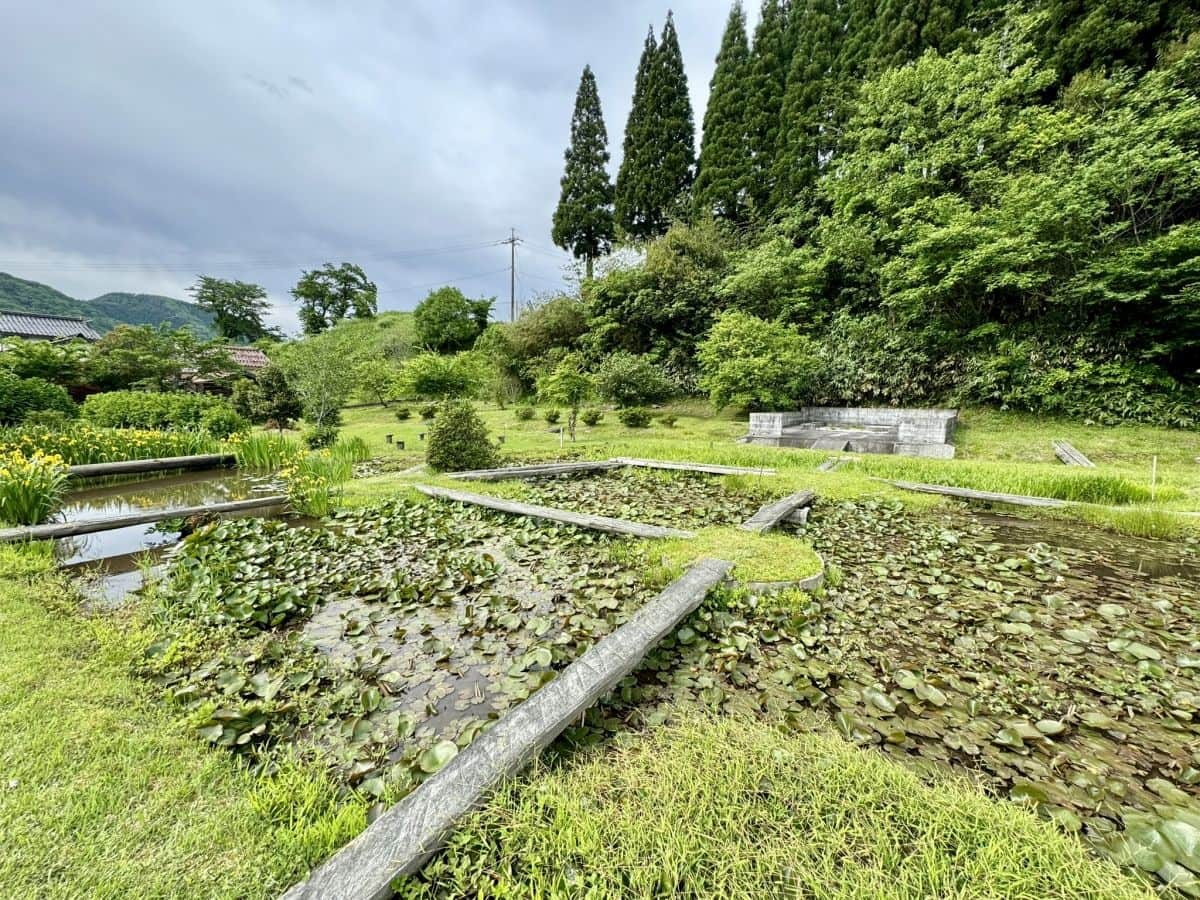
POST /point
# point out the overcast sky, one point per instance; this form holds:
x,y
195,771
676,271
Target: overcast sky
x,y
148,141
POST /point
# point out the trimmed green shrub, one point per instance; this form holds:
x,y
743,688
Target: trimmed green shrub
x,y
458,440
629,380
148,409
320,436
634,417
54,419
525,413
222,421
428,411
552,416
591,417
21,396
668,420
403,413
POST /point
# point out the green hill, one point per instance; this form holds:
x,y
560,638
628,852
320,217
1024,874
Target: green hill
x,y
105,312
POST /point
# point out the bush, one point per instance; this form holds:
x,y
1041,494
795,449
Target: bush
x,y
753,364
320,436
21,396
267,399
222,422
403,413
148,409
525,413
458,440
591,417
629,380
436,377
634,417
552,416
428,411
54,419
668,420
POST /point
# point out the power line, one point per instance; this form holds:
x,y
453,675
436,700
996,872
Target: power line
x,y
443,281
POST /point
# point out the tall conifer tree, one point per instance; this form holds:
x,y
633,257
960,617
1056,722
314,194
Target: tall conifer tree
x,y
633,212
675,134
809,117
724,151
858,41
769,64
583,221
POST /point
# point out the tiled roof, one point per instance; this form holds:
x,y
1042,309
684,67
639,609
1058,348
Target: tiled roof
x,y
37,325
249,357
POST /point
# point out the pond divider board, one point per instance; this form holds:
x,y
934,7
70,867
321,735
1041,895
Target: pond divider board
x,y
1066,451
535,471
580,520
690,466
403,838
91,526
772,514
163,464
968,494
833,463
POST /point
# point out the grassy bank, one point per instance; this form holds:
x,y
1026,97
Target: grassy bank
x,y
733,809
103,792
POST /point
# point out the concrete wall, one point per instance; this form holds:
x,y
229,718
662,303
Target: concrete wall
x,y
916,426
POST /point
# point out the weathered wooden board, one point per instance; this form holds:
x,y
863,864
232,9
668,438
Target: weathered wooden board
x,y
770,515
690,466
163,464
1067,452
539,470
91,526
581,520
968,494
403,838
832,464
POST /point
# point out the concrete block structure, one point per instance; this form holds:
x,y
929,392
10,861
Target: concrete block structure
x,y
904,432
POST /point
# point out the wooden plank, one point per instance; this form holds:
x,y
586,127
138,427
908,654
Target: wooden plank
x,y
690,466
968,494
833,464
580,520
1067,452
538,470
403,838
770,515
136,466
91,526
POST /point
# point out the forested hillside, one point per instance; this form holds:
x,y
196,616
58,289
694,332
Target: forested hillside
x,y
107,311
958,202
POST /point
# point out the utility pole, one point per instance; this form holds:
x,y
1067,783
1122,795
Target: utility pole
x,y
512,242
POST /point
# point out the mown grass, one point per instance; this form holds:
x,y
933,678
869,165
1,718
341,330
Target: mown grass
x,y
755,557
733,809
104,793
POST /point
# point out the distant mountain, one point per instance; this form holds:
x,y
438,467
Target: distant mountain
x,y
107,311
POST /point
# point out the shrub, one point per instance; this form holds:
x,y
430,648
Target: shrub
x,y
458,440
31,487
552,416
267,399
525,413
634,417
54,419
148,409
21,396
668,420
223,421
591,417
629,380
436,377
320,436
750,363
403,413
428,411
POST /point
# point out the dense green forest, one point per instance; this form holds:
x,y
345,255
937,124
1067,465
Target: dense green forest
x,y
107,311
937,202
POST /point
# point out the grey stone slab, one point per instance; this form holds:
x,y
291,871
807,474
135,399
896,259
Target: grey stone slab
x,y
770,515
550,513
540,470
968,494
403,838
1071,456
706,468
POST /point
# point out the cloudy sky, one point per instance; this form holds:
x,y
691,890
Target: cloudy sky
x,y
148,141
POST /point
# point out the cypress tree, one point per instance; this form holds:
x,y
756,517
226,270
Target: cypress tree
x,y
808,120
675,134
769,64
898,34
724,152
583,221
633,213
858,41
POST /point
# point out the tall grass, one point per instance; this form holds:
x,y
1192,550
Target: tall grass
x,y
314,482
263,452
82,444
31,487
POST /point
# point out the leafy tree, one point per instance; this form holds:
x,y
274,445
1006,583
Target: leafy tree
x,y
458,439
376,378
724,166
567,384
809,116
583,221
770,60
629,380
142,356
59,363
632,196
237,307
434,376
557,322
447,321
267,398
318,373
753,364
331,293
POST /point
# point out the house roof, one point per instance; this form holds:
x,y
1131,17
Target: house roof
x,y
249,358
38,325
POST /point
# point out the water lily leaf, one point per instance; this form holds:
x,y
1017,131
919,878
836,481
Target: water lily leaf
x,y
1050,727
435,758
